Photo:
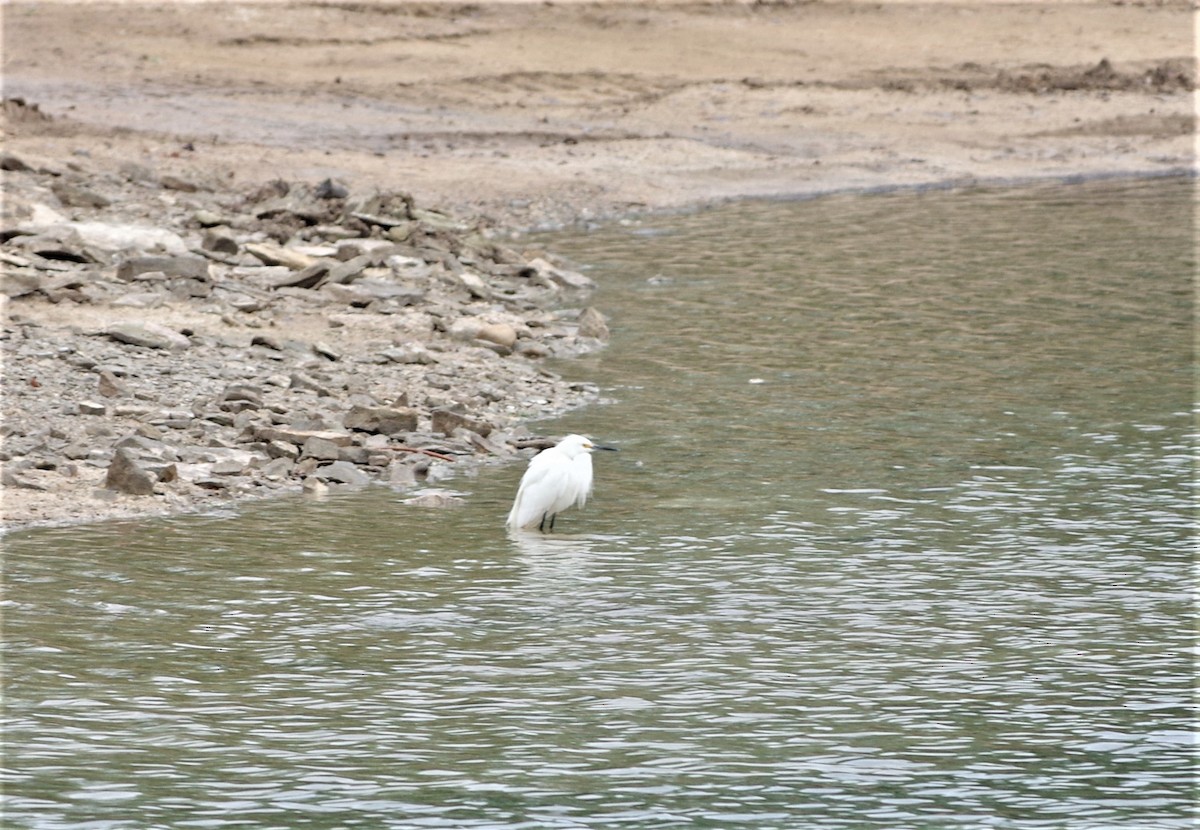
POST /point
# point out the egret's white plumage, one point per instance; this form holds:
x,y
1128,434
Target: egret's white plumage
x,y
556,479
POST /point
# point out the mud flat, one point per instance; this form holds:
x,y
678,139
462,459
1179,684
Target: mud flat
x,y
252,247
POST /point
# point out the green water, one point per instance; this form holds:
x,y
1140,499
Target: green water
x,y
900,536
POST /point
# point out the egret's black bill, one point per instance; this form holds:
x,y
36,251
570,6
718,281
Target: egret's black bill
x,y
610,449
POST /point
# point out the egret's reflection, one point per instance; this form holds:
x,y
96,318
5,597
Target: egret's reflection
x,y
554,556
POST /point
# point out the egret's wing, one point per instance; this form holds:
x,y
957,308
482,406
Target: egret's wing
x,y
543,482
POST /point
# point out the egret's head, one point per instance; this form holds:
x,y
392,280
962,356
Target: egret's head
x,y
573,445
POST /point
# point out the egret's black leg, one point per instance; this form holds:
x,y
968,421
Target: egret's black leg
x,y
553,516
542,523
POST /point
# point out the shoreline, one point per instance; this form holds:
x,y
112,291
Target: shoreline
x,y
493,120
110,506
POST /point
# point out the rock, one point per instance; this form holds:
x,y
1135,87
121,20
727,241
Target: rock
x,y
309,276
437,499
475,285
141,299
20,283
277,469
92,408
149,335
120,237
401,474
446,421
532,349
137,173
315,488
502,334
381,419
330,189
207,219
343,472
592,324
413,353
326,351
299,380
271,254
125,476
228,467
319,448
220,241
282,449
191,267
374,249
561,276
109,386
298,436
73,195
355,455
239,396
15,163
172,182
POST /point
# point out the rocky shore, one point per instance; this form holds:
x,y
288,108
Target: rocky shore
x,y
169,346
247,246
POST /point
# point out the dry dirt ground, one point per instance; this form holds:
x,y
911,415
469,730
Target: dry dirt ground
x,y
522,114
532,113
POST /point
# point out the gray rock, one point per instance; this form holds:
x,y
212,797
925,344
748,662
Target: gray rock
x,y
271,254
315,488
239,396
92,408
446,421
320,449
282,449
15,163
109,385
350,269
343,472
592,324
219,240
375,250
149,335
475,285
119,237
355,455
299,380
20,283
309,276
437,499
74,195
381,419
277,469
293,435
125,476
561,276
502,334
330,189
412,353
192,267
172,182
326,351
228,467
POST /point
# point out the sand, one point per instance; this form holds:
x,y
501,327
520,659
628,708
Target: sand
x,y
541,113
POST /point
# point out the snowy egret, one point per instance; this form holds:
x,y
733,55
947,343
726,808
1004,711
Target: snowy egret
x,y
556,479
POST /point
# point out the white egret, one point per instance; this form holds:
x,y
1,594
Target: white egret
x,y
556,479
